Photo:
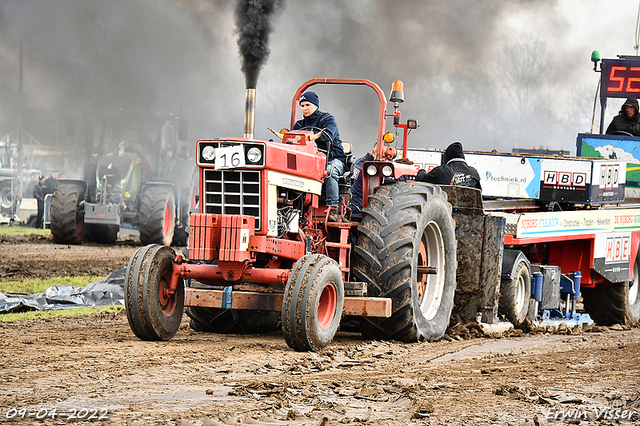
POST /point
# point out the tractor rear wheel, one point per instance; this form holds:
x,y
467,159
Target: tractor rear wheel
x,y
515,294
406,251
152,311
615,304
313,302
67,215
157,215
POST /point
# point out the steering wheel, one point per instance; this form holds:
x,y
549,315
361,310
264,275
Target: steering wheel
x,y
316,130
621,132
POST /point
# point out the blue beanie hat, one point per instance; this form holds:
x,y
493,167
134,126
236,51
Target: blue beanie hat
x,y
310,97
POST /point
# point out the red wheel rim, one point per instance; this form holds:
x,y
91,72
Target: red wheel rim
x,y
167,302
168,220
327,305
79,225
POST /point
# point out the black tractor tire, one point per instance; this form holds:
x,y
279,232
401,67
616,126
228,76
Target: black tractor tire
x,y
67,215
232,321
312,303
615,304
406,250
515,294
157,215
103,234
152,314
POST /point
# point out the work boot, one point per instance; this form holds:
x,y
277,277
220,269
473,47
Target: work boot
x,y
333,216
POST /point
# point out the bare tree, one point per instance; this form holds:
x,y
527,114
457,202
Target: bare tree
x,y
522,68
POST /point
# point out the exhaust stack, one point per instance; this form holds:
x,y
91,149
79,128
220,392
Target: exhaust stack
x,y
249,112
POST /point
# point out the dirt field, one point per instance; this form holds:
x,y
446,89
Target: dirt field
x,y
95,367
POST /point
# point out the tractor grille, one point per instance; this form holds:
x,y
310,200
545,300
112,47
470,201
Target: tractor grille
x,y
233,192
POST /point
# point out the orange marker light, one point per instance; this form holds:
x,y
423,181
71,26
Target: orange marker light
x,y
389,137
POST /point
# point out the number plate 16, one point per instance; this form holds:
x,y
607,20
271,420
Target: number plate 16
x,y
229,157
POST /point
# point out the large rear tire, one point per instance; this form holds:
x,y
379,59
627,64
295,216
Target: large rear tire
x,y
153,314
406,251
157,215
67,215
515,294
615,304
313,302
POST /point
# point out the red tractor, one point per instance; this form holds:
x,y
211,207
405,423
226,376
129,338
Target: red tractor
x,y
261,249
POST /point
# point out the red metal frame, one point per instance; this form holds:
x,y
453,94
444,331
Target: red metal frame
x,y
348,81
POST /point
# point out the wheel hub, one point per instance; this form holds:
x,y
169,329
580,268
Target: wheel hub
x,y
167,297
521,293
431,257
327,305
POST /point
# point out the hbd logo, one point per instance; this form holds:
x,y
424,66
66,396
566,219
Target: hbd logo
x,y
552,177
609,176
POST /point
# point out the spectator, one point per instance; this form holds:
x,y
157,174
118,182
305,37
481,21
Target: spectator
x,y
627,120
355,202
38,194
454,170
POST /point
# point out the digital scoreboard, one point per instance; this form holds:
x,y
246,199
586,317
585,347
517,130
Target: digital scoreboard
x,y
620,77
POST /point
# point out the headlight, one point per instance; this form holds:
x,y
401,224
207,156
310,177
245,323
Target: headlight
x,y
208,153
118,186
254,155
372,170
387,170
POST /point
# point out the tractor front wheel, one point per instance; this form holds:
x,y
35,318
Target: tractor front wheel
x,y
313,302
154,311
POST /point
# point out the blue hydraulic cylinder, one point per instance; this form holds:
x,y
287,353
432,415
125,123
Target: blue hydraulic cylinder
x,y
536,286
577,277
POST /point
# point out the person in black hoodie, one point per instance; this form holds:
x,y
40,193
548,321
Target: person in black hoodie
x,y
38,194
627,120
454,170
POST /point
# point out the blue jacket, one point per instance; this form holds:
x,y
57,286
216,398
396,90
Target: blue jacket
x,y
324,120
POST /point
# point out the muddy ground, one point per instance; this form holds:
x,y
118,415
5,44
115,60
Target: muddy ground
x,y
95,367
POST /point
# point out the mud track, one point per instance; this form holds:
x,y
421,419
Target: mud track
x,y
96,363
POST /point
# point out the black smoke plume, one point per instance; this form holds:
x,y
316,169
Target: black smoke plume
x,y
253,24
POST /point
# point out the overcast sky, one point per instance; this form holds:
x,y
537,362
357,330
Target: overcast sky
x,y
86,57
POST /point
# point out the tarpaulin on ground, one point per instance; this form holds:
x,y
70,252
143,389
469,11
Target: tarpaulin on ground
x,y
107,291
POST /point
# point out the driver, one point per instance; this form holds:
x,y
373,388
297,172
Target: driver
x,y
313,117
628,120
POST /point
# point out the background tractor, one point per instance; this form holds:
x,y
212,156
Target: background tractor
x,y
138,175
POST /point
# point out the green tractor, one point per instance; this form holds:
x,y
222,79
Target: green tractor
x,y
139,176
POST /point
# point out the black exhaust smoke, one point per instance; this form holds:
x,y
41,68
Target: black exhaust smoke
x,y
253,24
